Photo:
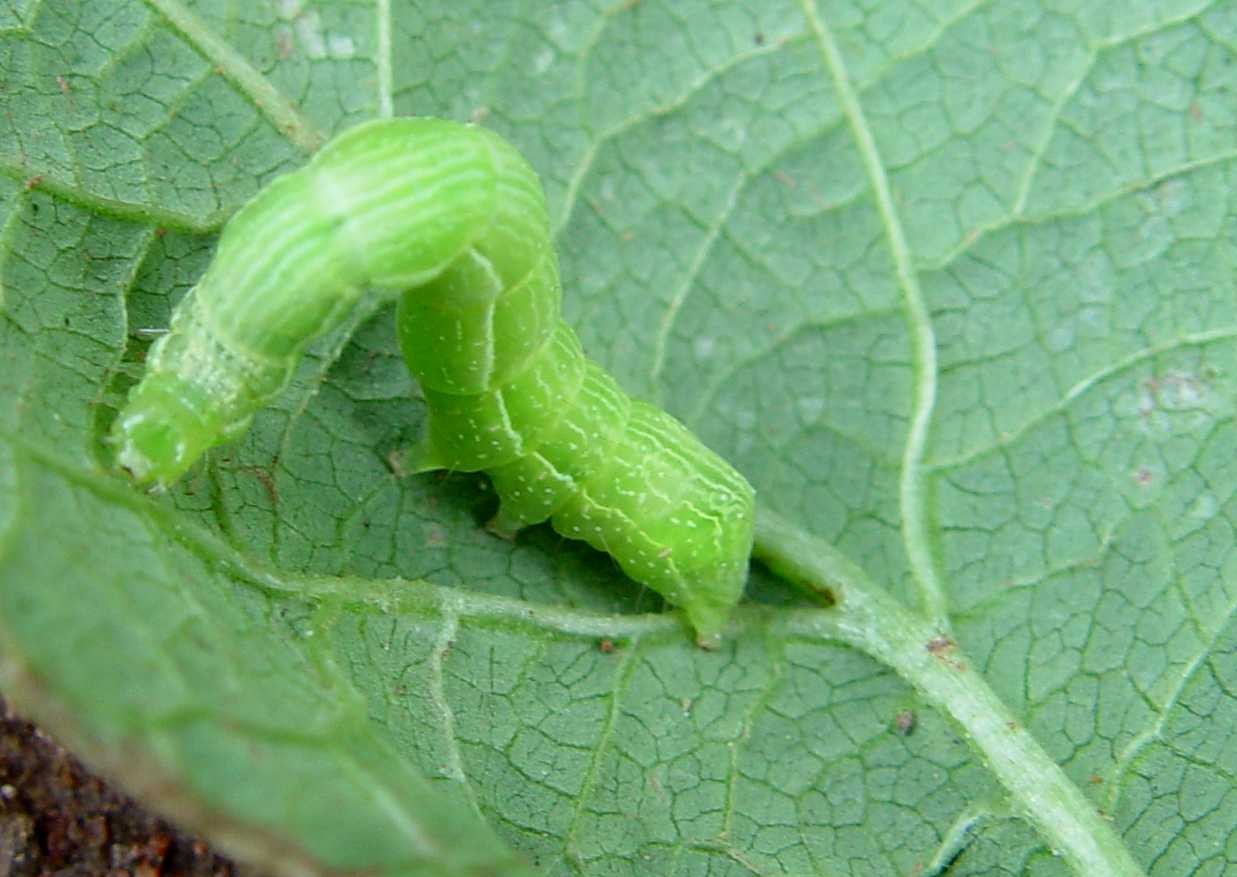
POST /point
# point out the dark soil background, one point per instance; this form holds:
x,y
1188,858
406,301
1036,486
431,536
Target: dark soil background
x,y
56,818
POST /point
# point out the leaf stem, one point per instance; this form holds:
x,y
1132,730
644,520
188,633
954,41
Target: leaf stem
x,y
870,619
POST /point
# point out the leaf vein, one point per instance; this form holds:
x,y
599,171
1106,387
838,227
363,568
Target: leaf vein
x,y
912,495
269,101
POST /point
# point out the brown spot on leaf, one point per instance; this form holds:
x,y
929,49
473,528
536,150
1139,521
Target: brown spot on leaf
x,y
267,482
942,647
904,723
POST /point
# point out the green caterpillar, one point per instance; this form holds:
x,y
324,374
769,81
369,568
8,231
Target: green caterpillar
x,y
451,219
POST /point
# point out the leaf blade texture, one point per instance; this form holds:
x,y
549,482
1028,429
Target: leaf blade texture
x,y
1061,179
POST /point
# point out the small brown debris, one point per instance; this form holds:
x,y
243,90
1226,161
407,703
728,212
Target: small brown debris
x,y
266,480
283,44
904,723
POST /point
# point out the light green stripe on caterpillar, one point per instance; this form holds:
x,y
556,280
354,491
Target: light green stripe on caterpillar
x,y
451,219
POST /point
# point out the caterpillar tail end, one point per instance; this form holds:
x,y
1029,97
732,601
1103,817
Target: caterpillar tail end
x,y
707,622
712,600
158,435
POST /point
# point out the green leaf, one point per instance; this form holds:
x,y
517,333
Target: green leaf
x,y
951,283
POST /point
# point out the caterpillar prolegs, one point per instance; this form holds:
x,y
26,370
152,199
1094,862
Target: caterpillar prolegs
x,y
452,220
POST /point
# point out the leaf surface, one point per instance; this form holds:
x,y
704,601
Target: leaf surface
x,y
951,283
